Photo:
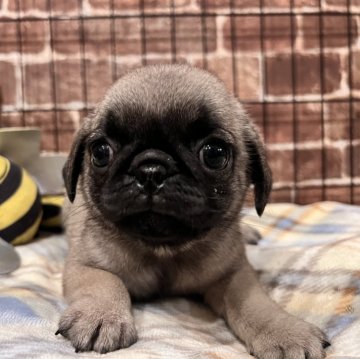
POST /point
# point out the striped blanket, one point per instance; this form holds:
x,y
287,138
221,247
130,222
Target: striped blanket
x,y
309,260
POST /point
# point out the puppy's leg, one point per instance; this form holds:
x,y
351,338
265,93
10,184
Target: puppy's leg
x,y
99,315
266,329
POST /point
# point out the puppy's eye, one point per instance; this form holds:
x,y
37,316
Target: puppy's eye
x,y
101,154
214,155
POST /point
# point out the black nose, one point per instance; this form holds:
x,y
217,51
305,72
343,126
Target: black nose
x,y
150,176
151,167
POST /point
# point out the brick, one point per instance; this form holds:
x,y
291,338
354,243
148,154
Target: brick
x,y
66,36
9,37
68,122
151,5
282,164
308,164
310,31
332,72
34,35
334,31
37,84
306,3
246,32
338,194
225,4
307,74
336,162
342,3
355,160
158,35
119,5
213,4
43,5
336,2
157,4
102,4
195,36
68,81
241,4
308,121
277,3
355,61
46,121
222,68
64,7
128,36
28,5
248,77
39,81
308,195
128,5
279,123
281,195
98,79
97,37
355,115
7,83
279,75
278,72
256,113
11,119
356,195
337,124
57,128
277,32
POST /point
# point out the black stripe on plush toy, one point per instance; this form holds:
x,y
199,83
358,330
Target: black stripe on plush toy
x,y
50,210
51,219
11,183
25,221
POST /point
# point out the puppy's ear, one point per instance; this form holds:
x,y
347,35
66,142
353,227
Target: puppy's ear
x,y
258,170
73,165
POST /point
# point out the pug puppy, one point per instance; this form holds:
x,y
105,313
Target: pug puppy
x,y
157,178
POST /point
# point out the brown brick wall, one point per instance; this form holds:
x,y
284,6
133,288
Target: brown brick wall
x,y
297,70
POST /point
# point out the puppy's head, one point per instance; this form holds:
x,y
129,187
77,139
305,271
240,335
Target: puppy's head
x,y
167,156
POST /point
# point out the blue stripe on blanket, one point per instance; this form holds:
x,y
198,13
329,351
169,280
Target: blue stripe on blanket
x,y
338,324
16,308
327,228
285,223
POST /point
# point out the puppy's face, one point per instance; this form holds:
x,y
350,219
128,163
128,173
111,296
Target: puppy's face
x,y
167,156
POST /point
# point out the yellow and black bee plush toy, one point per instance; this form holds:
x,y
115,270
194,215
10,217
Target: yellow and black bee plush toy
x,y
22,210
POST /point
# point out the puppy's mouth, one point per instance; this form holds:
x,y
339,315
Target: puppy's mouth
x,y
156,228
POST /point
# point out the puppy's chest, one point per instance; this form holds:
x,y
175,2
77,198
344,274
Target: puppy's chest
x,y
161,279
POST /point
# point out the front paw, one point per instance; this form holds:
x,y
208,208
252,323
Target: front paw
x,y
95,326
290,338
